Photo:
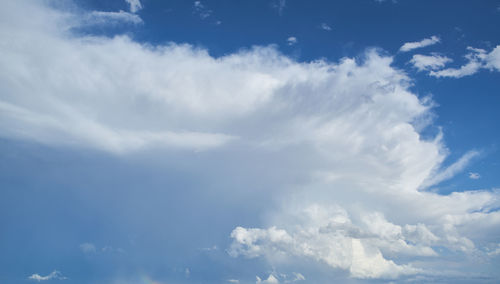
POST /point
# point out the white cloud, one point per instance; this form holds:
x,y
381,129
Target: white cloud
x,y
474,175
493,59
279,5
291,40
450,171
495,251
88,248
298,277
345,129
110,18
477,59
419,44
271,280
53,275
201,10
325,26
429,62
328,235
233,281
475,62
135,5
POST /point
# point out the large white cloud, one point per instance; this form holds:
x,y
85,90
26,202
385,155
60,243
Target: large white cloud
x,y
350,130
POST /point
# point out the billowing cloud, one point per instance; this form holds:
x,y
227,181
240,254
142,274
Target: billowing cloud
x,y
53,275
419,44
429,62
355,195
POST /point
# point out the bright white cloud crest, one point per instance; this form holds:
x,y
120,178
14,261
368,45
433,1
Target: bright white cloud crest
x,y
351,125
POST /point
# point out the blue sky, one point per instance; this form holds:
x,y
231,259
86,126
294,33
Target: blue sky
x,y
260,141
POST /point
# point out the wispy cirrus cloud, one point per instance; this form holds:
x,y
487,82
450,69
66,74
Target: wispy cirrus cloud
x,y
419,44
200,10
325,27
473,175
135,5
279,5
111,18
56,275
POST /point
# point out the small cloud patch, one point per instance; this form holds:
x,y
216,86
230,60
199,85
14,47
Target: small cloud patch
x,y
291,40
53,275
474,175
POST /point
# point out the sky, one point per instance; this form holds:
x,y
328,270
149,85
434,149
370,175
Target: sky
x,y
266,141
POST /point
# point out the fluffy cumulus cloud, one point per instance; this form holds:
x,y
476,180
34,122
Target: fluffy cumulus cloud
x,y
348,131
419,44
477,59
429,62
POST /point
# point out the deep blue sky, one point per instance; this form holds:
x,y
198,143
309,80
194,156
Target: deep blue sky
x,y
166,215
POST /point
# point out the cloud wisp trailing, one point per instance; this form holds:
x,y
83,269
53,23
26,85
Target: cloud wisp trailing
x,y
53,275
110,18
135,5
419,44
